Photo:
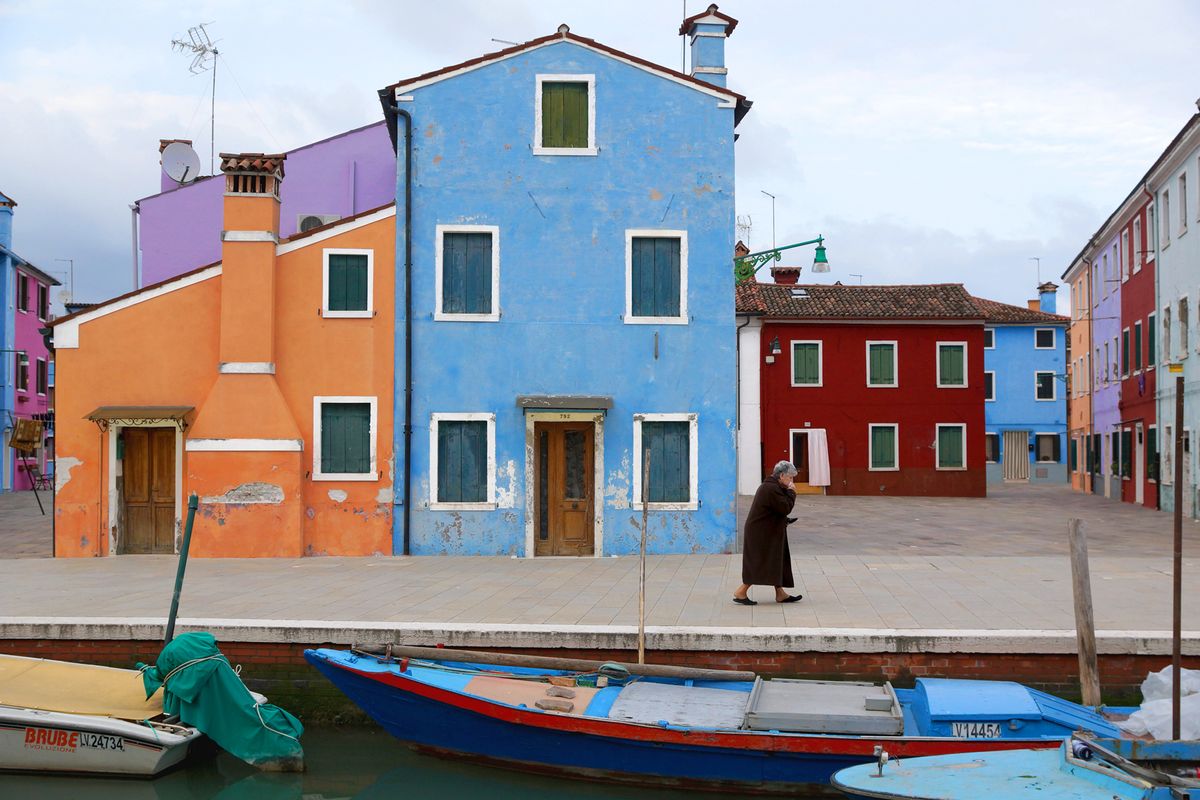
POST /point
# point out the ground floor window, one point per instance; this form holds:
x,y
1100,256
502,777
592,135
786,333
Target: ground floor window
x,y
991,447
1073,456
1168,453
1098,453
951,446
670,442
1126,453
462,450
882,445
1152,453
1046,446
344,438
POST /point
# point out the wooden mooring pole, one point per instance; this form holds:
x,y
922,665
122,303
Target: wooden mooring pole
x,y
1085,623
642,579
1177,597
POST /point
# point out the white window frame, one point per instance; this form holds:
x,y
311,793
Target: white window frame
x,y
1157,453
656,233
1125,354
1036,434
1164,341
895,364
1053,338
41,289
1182,318
820,363
895,426
991,331
937,446
1126,260
999,443
693,421
591,149
22,298
345,251
1164,219
317,474
966,373
1053,385
436,419
42,362
439,233
991,372
1138,247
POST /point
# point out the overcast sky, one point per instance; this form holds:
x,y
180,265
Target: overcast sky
x,y
928,141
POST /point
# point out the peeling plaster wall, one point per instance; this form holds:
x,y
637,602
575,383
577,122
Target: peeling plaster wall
x,y
665,162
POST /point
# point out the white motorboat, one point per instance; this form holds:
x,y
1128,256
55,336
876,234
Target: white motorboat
x,y
57,716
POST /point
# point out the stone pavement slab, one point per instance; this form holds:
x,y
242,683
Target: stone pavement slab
x,y
24,530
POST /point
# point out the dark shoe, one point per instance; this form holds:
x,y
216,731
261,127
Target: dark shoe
x,y
745,601
790,520
791,598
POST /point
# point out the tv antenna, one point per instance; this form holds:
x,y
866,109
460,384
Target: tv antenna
x,y
204,56
744,226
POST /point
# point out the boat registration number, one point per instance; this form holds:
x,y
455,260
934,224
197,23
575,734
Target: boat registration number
x,y
69,741
975,730
101,741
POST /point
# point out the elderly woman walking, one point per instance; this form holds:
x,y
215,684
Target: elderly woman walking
x,y
766,560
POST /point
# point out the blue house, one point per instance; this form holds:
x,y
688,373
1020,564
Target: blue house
x,y
565,218
1025,408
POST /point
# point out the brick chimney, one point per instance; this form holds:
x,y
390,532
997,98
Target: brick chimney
x,y
708,31
786,276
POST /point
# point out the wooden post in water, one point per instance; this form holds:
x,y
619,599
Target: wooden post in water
x,y
184,546
642,580
1177,598
1085,623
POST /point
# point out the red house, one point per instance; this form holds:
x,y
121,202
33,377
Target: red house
x,y
1139,429
866,389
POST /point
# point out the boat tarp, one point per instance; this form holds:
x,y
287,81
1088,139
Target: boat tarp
x,y
204,690
76,689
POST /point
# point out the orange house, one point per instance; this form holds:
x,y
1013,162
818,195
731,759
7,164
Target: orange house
x,y
262,383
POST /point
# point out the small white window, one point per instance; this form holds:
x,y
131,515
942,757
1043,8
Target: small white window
x,y
807,363
991,448
1165,218
989,385
564,122
1126,256
1183,327
950,443
347,283
1044,339
462,461
467,273
989,338
656,277
672,442
882,441
952,365
1138,246
1044,388
1183,197
1150,249
344,434
881,364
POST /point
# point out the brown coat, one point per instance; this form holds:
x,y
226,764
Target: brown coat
x,y
766,560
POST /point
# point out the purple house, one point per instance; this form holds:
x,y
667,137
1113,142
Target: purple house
x,y
179,228
1106,357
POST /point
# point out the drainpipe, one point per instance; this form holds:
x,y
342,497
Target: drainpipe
x,y
393,111
134,209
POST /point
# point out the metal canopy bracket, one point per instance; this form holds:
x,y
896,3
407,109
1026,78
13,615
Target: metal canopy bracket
x,y
564,402
140,416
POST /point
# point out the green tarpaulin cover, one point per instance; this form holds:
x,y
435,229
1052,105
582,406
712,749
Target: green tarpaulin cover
x,y
202,688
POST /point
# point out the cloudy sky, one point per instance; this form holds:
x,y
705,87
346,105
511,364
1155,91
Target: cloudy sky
x,y
937,140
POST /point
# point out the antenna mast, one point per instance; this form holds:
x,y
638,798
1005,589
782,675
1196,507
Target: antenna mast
x,y
744,226
204,55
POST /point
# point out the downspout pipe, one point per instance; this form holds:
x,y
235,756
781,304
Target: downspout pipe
x,y
393,112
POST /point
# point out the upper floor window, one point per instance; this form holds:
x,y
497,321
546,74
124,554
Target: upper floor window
x,y
565,115
22,292
1183,213
1096,287
1138,246
1183,327
989,385
1107,276
1150,232
1166,337
348,283
1151,333
43,380
1044,338
656,277
951,364
1165,216
467,267
881,364
806,363
989,338
1044,385
1137,346
43,301
1126,256
22,373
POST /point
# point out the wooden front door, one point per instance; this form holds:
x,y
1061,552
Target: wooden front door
x,y
564,488
149,490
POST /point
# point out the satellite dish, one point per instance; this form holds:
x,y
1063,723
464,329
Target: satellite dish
x,y
64,296
180,162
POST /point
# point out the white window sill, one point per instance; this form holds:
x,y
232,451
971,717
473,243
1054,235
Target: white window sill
x,y
883,469
950,469
989,399
807,385
327,314
345,476
952,386
883,386
441,317
667,506
538,150
631,320
462,506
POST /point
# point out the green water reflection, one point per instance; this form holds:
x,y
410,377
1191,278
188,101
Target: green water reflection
x,y
342,763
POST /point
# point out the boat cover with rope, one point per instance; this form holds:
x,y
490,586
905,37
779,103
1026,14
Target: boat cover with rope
x,y
76,689
204,690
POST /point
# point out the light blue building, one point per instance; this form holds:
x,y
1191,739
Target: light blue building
x,y
1025,408
565,217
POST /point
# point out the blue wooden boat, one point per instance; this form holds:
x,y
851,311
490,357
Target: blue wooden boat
x,y
754,737
1079,769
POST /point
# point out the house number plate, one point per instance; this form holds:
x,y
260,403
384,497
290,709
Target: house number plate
x,y
975,730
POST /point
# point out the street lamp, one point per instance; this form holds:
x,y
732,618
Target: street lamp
x,y
745,266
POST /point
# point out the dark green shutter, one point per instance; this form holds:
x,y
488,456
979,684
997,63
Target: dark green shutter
x,y
1152,452
347,282
1073,455
883,447
345,438
881,364
466,273
1125,352
951,358
1151,338
806,363
1137,346
655,278
564,114
462,461
1098,453
950,447
1127,454
669,444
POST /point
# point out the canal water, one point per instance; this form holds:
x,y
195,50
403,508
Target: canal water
x,y
359,763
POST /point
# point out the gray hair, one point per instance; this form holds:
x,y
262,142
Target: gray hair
x,y
783,468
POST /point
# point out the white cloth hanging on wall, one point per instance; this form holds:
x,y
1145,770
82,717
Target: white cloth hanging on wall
x,y
818,458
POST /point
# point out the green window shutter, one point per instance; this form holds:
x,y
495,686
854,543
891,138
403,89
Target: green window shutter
x,y
347,282
1125,352
655,277
462,461
466,273
806,363
1137,346
950,447
669,445
564,114
881,365
951,359
883,447
1152,454
345,438
1151,333
1127,454
1073,456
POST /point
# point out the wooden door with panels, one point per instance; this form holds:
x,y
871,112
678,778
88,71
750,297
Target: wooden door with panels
x,y
148,470
564,488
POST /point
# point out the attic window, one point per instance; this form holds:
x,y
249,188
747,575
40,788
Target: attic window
x,y
565,115
799,293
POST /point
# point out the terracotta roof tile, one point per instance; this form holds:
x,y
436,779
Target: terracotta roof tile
x,y
994,311
253,162
823,301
